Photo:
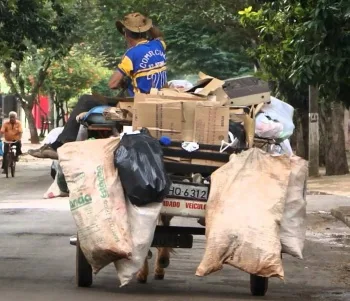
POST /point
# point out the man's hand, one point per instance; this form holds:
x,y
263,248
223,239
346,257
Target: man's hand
x,y
124,83
80,116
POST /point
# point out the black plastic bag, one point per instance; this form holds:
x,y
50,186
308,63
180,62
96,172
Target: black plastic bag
x,y
61,180
139,160
237,129
56,170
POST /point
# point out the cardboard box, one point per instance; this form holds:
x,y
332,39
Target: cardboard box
x,y
210,87
127,106
207,162
249,124
162,118
237,115
185,119
211,123
247,91
176,159
207,84
175,114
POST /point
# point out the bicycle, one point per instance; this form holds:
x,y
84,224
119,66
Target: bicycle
x,y
10,159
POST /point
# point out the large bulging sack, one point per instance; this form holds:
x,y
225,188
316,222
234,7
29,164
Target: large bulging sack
x,y
293,224
97,200
143,222
139,160
244,211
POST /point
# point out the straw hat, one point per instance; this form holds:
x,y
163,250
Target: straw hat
x,y
134,22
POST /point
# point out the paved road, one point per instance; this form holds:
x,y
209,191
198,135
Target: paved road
x,y
37,262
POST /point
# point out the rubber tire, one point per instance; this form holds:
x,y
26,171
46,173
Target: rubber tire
x,y
7,166
13,169
258,285
83,272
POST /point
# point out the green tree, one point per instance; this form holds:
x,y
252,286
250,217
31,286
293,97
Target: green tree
x,y
69,76
301,43
31,29
200,36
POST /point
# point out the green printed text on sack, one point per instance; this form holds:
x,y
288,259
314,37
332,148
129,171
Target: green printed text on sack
x,y
101,183
80,202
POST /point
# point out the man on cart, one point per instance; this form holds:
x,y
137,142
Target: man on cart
x,y
143,66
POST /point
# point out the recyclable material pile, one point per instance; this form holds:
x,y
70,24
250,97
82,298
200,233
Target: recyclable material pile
x,y
256,207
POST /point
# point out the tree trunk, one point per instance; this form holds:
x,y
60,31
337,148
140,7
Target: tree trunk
x,y
34,137
305,124
335,155
299,136
51,112
60,112
301,133
58,115
323,134
63,114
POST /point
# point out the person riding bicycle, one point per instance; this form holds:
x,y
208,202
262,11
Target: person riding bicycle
x,y
12,132
143,66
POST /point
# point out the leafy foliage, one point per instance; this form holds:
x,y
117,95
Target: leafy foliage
x,y
200,36
73,73
301,43
29,27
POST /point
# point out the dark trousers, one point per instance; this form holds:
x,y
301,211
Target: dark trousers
x,y
71,129
6,150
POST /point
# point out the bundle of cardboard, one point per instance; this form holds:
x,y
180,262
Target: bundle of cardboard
x,y
202,113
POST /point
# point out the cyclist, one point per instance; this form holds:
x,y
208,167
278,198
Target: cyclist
x,y
12,131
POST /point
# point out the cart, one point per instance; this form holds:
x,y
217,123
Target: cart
x,y
188,195
185,192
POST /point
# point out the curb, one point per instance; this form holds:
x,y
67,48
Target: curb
x,y
313,192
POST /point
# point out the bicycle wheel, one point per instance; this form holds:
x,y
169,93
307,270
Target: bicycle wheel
x,y
13,166
7,164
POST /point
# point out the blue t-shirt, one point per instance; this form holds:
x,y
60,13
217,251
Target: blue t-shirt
x,y
145,65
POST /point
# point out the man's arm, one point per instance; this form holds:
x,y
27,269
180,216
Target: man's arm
x,y
2,130
124,69
20,131
115,80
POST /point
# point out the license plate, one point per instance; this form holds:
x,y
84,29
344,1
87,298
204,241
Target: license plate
x,y
188,191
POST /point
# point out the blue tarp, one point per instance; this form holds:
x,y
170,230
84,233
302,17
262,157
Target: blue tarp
x,y
95,110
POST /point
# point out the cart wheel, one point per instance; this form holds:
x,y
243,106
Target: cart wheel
x,y
83,268
258,285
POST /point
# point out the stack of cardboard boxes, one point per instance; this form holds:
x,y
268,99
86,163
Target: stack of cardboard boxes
x,y
185,116
201,114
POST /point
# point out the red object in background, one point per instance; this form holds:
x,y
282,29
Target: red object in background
x,y
41,111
